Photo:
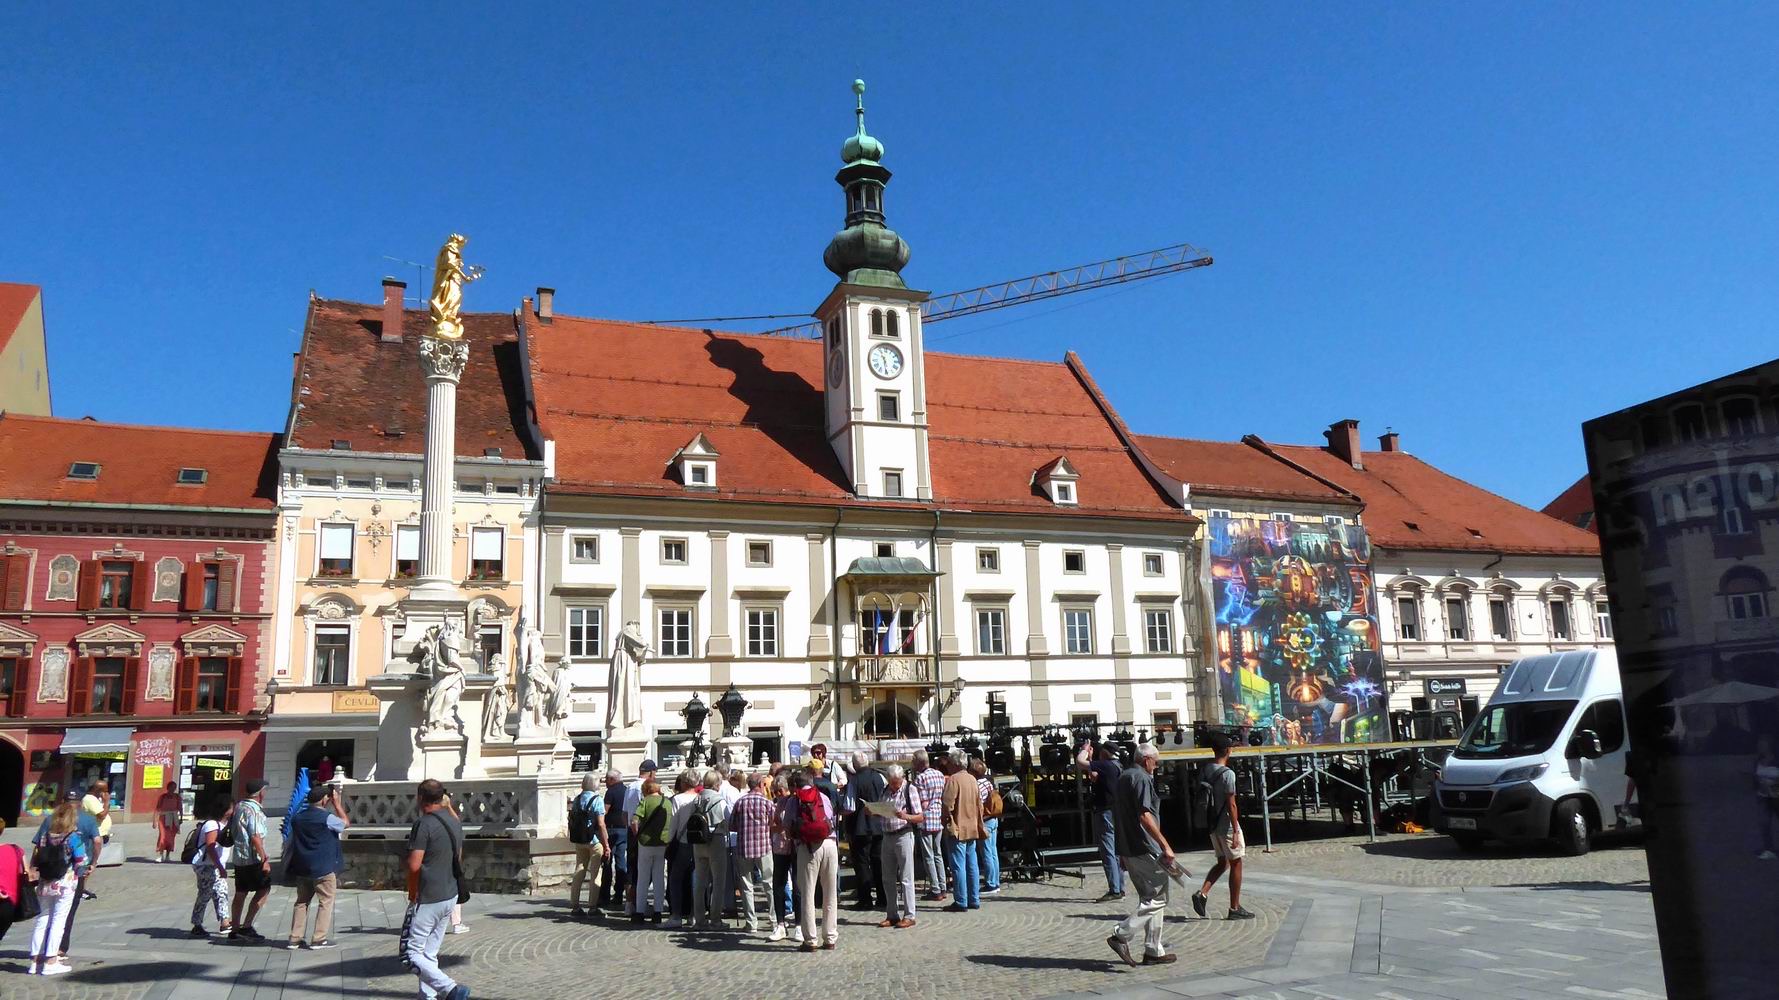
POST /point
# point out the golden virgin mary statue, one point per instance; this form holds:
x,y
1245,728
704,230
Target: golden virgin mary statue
x,y
448,278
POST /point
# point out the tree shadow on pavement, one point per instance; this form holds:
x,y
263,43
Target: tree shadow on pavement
x,y
1032,962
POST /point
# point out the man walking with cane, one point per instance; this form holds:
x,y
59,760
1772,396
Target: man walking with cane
x,y
1148,859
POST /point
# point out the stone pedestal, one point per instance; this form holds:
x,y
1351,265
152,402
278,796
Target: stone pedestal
x,y
626,749
735,751
534,755
441,756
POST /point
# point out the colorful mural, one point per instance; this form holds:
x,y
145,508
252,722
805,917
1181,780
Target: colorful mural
x,y
1297,637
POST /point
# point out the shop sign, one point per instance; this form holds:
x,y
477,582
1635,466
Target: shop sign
x,y
153,776
154,751
215,762
354,701
1444,685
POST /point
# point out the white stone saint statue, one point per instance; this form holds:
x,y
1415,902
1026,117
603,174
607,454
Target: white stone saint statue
x,y
442,662
494,713
624,687
561,702
536,685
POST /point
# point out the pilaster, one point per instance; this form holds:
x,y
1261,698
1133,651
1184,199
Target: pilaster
x,y
947,604
721,644
821,599
630,591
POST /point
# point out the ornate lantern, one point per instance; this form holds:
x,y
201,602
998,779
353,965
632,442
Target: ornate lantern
x,y
731,705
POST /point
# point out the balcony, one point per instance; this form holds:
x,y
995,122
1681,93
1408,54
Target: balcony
x,y
893,670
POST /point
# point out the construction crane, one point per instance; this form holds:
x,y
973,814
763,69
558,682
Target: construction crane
x,y
1050,284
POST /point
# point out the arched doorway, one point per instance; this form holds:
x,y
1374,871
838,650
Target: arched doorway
x,y
892,721
12,782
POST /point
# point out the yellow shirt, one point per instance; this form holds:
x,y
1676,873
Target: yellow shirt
x,y
91,805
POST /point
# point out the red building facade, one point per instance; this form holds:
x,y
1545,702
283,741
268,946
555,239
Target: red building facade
x,y
134,610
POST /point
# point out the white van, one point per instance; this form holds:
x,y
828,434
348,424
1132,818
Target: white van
x,y
1544,761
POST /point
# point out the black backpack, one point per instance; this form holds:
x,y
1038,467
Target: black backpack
x,y
51,859
1207,806
698,827
193,844
581,827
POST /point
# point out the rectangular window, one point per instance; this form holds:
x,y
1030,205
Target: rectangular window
x,y
1689,423
759,553
1281,516
883,632
336,550
762,631
1603,619
1667,621
675,634
667,745
114,584
1077,630
1333,520
1164,722
1158,630
892,483
889,407
700,473
108,686
1074,561
1217,512
1500,617
586,632
407,551
584,549
673,551
490,643
333,655
1559,619
988,560
213,684
1457,619
1740,417
1408,618
485,553
9,683
1745,605
1065,492
1084,720
1152,564
884,550
991,631
212,585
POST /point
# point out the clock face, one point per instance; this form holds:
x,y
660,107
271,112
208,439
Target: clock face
x,y
836,369
886,361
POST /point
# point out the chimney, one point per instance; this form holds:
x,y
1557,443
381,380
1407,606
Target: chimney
x,y
546,303
392,310
1389,440
1343,441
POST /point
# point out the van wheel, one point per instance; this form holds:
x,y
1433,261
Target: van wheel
x,y
1469,843
1569,826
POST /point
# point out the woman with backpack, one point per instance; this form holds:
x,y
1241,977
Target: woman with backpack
x,y
654,812
57,864
680,861
204,851
818,861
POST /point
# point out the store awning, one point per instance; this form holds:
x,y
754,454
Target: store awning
x,y
96,740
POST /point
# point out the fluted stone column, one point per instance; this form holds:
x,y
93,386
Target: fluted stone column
x,y
443,362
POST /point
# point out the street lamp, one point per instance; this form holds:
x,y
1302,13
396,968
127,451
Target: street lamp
x,y
731,705
695,713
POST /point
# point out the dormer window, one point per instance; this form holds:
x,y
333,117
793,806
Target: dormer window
x,y
697,464
1058,481
83,470
193,477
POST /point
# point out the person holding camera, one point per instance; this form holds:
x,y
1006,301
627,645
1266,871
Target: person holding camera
x,y
315,863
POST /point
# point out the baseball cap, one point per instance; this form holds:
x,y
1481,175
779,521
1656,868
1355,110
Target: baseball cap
x,y
73,795
255,784
649,765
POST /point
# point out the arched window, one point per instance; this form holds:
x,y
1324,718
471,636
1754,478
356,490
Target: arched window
x,y
1408,614
1501,614
1689,422
1741,416
1745,592
1457,614
877,322
1558,602
894,324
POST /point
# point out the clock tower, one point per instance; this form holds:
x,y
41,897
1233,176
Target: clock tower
x,y
873,363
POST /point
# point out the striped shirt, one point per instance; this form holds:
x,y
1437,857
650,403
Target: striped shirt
x,y
751,819
930,783
983,787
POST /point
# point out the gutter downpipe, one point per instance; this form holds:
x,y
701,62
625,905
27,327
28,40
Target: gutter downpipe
x,y
834,616
933,633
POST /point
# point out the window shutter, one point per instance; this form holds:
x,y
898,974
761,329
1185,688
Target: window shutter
x,y
192,596
225,585
132,681
21,682
87,590
236,694
80,686
141,581
185,698
17,570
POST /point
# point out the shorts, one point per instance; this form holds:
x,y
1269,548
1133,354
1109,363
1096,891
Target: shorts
x,y
1228,847
251,878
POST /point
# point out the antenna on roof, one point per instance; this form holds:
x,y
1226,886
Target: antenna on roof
x,y
419,277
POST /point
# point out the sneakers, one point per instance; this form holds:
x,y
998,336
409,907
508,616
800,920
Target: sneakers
x,y
247,933
577,913
955,908
1237,913
1110,897
198,932
294,946
777,933
797,935
1198,903
460,929
995,891
322,945
86,895
674,923
1122,948
1160,959
56,969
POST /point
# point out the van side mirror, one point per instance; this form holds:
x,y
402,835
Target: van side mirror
x,y
1585,745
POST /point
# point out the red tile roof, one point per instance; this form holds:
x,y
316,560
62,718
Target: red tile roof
x,y
14,300
1410,505
618,399
353,387
1575,506
1236,469
137,465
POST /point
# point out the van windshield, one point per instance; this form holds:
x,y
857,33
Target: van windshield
x,y
1515,729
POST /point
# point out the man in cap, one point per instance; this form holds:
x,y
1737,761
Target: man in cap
x,y
632,799
249,861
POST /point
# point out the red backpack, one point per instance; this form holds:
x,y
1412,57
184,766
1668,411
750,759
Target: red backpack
x,y
812,817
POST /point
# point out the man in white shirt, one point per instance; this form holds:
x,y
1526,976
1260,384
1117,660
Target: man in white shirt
x,y
708,832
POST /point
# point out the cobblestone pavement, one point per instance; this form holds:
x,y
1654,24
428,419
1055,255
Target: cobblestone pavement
x,y
1329,911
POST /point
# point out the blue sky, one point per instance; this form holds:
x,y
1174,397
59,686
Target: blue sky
x,y
1478,224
